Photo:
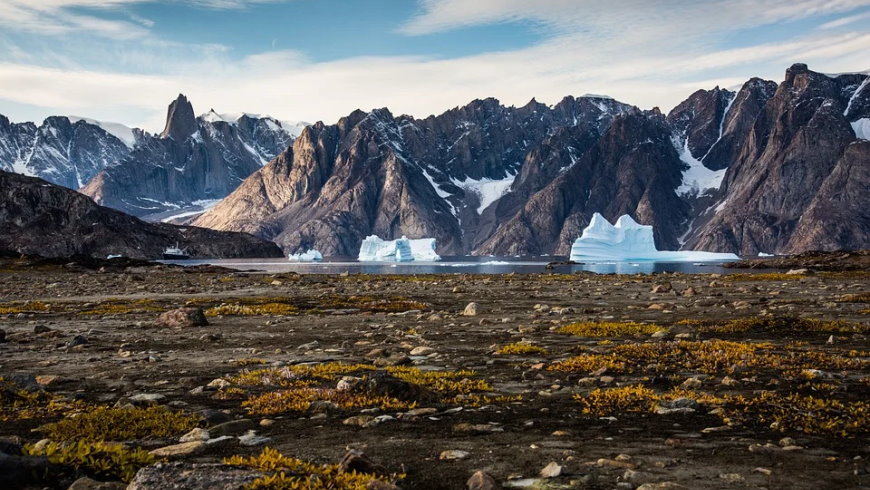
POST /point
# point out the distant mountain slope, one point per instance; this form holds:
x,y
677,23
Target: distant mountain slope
x,y
192,161
37,217
65,151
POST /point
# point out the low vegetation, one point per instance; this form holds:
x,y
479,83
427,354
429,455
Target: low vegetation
x,y
610,329
286,473
98,459
120,424
520,348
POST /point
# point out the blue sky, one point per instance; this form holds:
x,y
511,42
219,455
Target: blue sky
x,y
124,60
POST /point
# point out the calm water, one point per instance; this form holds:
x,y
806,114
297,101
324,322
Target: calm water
x,y
457,265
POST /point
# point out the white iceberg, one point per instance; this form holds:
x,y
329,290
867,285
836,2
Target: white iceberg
x,y
628,240
308,256
375,249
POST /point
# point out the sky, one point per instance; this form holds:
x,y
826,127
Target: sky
x,y
311,60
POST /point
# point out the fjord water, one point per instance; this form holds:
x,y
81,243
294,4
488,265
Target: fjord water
x,y
459,265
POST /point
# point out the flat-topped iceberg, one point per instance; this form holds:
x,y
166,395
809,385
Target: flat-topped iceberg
x,y
375,249
308,256
628,240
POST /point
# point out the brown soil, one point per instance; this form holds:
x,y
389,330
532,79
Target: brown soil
x,y
661,447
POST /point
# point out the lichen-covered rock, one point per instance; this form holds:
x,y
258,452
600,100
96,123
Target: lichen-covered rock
x,y
188,476
182,317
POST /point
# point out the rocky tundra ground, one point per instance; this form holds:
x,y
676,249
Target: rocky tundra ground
x,y
161,377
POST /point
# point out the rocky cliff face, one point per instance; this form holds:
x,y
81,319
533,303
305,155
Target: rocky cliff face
x,y
795,173
194,160
62,151
772,168
632,169
37,217
438,177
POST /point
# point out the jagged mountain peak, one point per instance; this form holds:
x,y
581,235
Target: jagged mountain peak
x,y
180,120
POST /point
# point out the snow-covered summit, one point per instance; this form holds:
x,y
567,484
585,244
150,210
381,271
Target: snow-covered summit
x,y
294,128
628,240
123,133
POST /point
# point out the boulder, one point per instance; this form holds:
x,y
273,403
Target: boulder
x,y
188,476
182,317
481,480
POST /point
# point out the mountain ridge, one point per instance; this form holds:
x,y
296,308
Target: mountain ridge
x,y
375,173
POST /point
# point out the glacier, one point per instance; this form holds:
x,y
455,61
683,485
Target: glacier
x,y
311,255
628,240
375,249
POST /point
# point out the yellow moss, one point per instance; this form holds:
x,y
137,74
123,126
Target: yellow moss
x,y
609,329
122,307
329,370
250,361
19,404
710,357
277,305
591,362
370,303
24,307
441,381
283,377
796,412
286,473
119,424
788,325
99,459
520,348
230,393
299,400
632,398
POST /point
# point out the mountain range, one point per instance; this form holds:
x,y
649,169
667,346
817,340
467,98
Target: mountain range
x,y
773,168
193,162
769,167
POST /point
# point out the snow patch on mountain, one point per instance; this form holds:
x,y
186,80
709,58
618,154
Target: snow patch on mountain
x,y
123,133
487,190
697,179
856,94
862,128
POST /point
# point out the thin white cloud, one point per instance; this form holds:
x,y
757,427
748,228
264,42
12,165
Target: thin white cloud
x,y
288,86
844,21
648,53
613,18
60,17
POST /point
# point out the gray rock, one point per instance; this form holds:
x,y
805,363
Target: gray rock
x,y
481,480
453,454
180,450
85,483
197,434
232,427
471,309
188,476
552,470
77,340
182,317
251,438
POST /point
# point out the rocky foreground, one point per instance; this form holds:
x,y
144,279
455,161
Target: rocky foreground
x,y
158,377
